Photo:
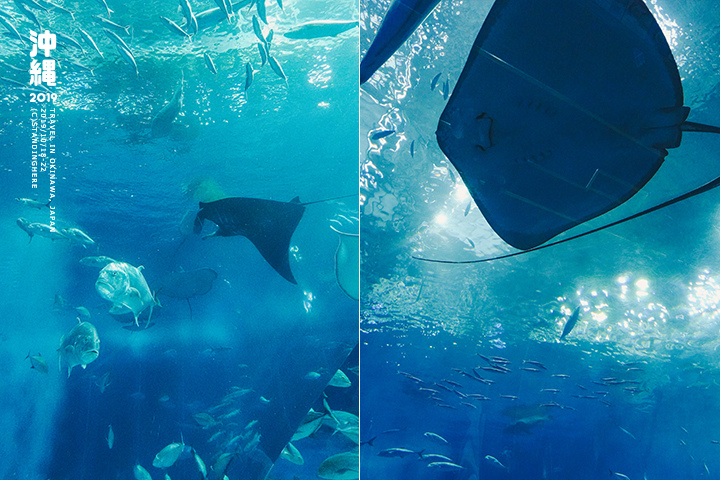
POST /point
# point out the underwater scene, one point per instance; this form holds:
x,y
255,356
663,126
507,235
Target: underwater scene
x,y
180,234
492,130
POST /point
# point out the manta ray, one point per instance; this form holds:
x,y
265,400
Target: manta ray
x,y
268,224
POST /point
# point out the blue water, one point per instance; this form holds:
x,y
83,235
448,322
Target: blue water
x,y
130,192
647,337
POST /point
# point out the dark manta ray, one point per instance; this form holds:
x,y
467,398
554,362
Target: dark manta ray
x,y
268,224
401,20
564,110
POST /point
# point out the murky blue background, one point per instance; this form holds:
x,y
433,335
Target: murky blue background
x,y
129,192
645,348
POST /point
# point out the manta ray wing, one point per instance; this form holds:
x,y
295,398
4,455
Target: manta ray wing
x,y
268,224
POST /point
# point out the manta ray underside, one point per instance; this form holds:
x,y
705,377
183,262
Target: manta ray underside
x,y
268,224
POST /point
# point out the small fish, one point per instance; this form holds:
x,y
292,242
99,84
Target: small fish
x,y
454,384
104,4
209,62
29,202
412,149
129,58
78,236
34,4
279,2
494,462
445,466
69,40
38,363
190,20
110,24
88,39
249,75
509,397
29,14
97,262
436,438
276,67
399,452
200,464
260,6
62,9
560,375
258,29
537,364
83,312
631,435
530,369
110,437
116,39
167,457
434,81
312,376
11,28
174,27
570,324
619,475
103,382
467,208
550,390
140,473
263,53
381,134
446,89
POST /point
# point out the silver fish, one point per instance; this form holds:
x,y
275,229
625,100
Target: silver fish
x,y
68,39
29,202
78,236
104,4
29,14
209,62
190,20
38,363
110,437
494,462
162,122
257,29
11,28
110,24
174,27
276,67
263,53
260,6
129,58
249,75
88,39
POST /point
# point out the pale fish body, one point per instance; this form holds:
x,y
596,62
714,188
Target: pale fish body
x,y
128,57
262,49
125,286
80,346
436,438
249,75
319,29
276,67
190,20
292,454
257,29
110,437
209,62
116,39
69,40
167,457
110,24
446,466
97,261
38,363
200,464
494,462
104,4
339,380
46,231
29,202
162,122
260,6
174,27
140,473
11,28
24,224
78,236
343,466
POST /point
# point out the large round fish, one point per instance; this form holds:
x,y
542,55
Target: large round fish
x,y
80,346
125,286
